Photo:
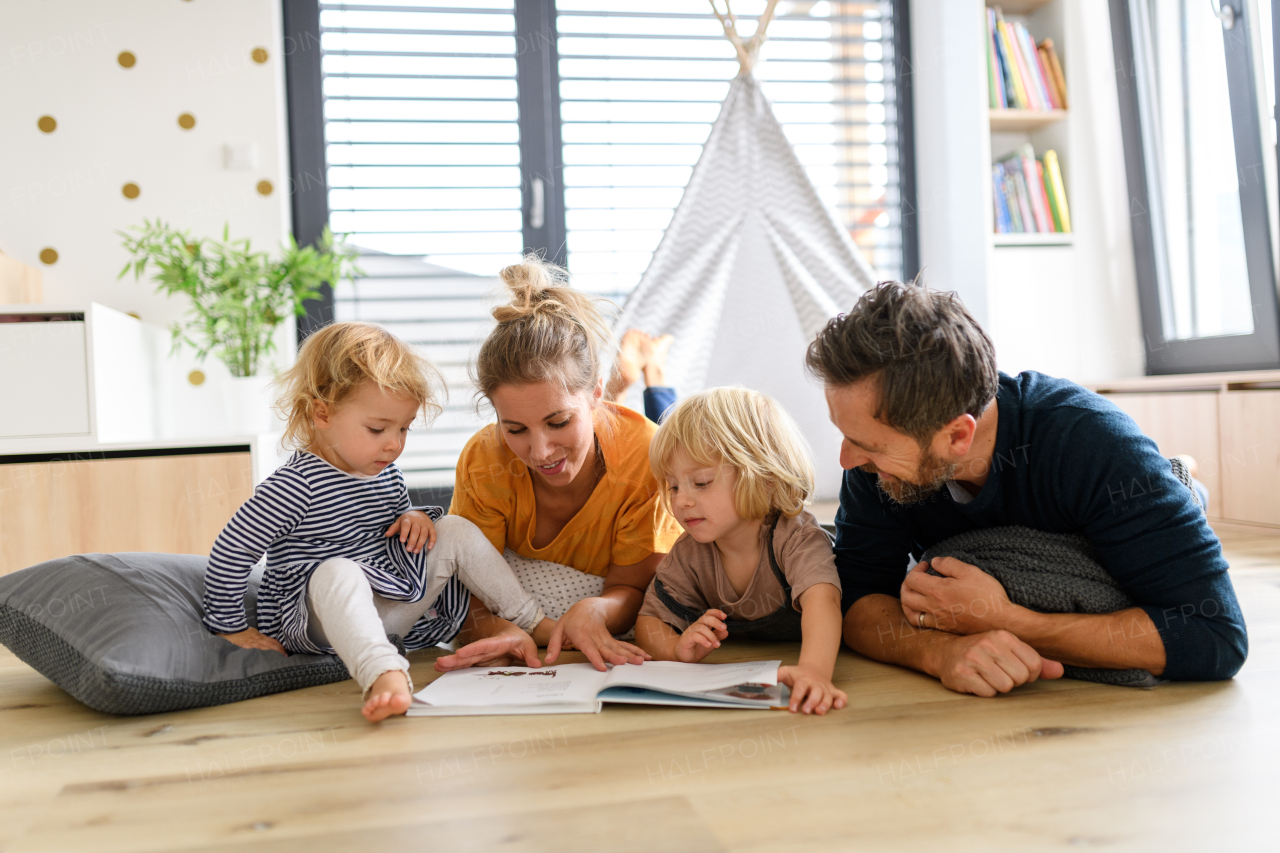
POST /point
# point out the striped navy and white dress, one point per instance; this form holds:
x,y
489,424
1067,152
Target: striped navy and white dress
x,y
303,514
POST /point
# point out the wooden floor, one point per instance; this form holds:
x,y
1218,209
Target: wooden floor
x,y
907,766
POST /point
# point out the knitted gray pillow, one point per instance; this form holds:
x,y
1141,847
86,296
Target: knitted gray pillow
x,y
122,633
1051,573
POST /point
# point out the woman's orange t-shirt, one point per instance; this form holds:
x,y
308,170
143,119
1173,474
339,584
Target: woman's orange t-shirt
x,y
622,522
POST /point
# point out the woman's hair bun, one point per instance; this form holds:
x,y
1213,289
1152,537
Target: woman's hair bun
x,y
532,282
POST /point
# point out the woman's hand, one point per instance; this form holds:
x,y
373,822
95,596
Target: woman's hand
x,y
250,638
508,646
702,636
584,626
415,529
811,688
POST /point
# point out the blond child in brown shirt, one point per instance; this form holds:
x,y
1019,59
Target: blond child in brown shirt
x,y
751,562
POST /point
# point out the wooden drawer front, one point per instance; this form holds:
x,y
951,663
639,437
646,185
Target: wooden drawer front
x,y
173,504
1250,426
1182,423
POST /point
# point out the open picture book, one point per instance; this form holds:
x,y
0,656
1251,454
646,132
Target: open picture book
x,y
578,688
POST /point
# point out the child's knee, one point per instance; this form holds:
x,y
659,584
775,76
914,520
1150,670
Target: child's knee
x,y
337,572
460,532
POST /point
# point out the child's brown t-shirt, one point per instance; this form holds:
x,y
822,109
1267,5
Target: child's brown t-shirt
x,y
693,575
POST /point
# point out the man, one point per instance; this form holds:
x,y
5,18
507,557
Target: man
x,y
937,442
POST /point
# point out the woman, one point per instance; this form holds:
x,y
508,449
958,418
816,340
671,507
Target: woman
x,y
563,476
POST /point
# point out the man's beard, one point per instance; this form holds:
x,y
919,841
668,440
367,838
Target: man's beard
x,y
931,475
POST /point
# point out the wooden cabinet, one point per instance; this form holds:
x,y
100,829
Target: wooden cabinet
x,y
174,501
1230,422
1251,456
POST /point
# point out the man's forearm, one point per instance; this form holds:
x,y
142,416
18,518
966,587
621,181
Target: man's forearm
x,y
876,627
1126,639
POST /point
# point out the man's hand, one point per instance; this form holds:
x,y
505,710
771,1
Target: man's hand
x,y
702,636
966,600
989,663
415,529
250,638
584,626
508,646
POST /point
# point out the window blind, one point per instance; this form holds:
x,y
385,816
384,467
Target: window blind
x,y
422,139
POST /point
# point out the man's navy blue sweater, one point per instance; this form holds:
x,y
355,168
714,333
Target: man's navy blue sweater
x,y
1067,460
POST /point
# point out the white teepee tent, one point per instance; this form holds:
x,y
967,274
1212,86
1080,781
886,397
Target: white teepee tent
x,y
752,265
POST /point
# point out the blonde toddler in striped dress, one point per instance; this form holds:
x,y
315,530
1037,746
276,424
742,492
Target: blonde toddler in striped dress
x,y
349,560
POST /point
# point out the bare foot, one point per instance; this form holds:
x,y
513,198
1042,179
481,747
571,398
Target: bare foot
x,y
389,695
655,368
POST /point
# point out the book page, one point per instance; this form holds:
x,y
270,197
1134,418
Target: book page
x,y
693,677
514,685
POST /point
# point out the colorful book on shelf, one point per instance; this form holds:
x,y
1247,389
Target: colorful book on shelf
x,y
1054,174
995,91
1031,57
1055,70
1020,73
1049,197
1020,100
1028,194
1004,224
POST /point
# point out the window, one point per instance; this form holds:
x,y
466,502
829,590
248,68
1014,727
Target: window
x,y
1199,173
459,135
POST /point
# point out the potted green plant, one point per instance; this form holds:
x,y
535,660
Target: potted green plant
x,y
238,299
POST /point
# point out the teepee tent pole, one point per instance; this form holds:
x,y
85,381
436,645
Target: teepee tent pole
x,y
747,50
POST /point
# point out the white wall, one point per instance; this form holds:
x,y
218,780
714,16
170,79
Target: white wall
x,y
1067,311
118,125
948,86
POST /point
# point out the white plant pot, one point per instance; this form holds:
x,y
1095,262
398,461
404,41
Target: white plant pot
x,y
247,403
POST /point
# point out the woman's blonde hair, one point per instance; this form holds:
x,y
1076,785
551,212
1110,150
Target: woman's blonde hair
x,y
548,332
747,430
336,360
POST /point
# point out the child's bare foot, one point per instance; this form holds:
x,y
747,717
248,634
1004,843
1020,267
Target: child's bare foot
x,y
388,695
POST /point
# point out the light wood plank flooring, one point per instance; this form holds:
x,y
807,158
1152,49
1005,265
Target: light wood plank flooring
x,y
908,766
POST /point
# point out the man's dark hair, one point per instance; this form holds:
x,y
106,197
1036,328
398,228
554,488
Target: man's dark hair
x,y
930,358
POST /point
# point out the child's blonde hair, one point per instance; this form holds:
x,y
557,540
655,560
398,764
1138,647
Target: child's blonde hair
x,y
548,332
336,360
747,430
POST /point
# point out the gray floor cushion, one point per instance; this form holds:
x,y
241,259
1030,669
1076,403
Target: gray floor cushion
x,y
122,633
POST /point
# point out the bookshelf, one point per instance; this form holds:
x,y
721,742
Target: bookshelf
x,y
1011,129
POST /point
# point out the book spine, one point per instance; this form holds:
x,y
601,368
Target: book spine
x,y
1055,67
1039,210
1055,177
1003,224
1011,199
1002,57
994,89
1032,61
1024,203
1042,73
1053,86
1049,197
1020,94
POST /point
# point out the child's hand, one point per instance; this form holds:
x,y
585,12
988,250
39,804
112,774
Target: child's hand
x,y
813,689
702,636
250,638
415,530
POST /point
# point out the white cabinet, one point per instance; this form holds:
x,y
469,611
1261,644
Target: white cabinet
x,y
83,371
44,379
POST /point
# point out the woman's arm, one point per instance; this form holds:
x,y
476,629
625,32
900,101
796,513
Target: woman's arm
x,y
656,637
